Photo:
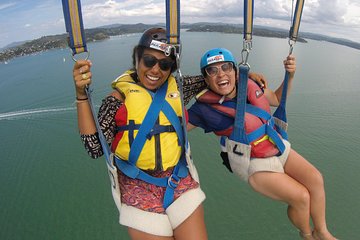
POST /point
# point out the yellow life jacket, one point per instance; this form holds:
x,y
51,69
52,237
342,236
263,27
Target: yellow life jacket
x,y
160,151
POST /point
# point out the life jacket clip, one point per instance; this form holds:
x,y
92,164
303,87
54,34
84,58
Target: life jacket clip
x,y
173,181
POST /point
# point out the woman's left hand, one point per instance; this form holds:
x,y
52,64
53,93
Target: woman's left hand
x,y
82,77
259,79
290,64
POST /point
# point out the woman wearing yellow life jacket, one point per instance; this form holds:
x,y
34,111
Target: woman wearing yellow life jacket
x,y
159,194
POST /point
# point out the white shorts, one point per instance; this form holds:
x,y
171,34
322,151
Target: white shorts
x,y
270,164
162,224
158,223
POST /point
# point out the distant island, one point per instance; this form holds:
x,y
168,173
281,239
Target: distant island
x,y
102,33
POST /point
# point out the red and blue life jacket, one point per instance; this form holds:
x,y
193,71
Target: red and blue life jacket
x,y
259,124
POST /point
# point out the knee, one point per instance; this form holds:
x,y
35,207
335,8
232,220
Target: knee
x,y
302,199
317,181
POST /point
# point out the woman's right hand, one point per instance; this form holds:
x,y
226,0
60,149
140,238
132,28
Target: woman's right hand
x,y
259,79
82,77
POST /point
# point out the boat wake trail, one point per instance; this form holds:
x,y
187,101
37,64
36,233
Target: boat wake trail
x,y
30,113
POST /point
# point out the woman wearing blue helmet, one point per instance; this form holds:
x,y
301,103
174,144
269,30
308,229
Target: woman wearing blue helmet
x,y
281,175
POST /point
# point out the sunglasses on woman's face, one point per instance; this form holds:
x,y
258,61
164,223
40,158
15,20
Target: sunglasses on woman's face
x,y
165,64
226,67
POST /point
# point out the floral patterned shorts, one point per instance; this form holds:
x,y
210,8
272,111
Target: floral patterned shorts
x,y
149,197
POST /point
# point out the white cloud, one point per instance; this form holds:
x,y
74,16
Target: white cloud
x,y
352,16
330,14
338,18
118,11
6,5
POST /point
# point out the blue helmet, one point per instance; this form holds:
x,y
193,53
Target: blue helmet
x,y
216,55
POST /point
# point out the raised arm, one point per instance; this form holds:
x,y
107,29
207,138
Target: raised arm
x,y
275,96
82,77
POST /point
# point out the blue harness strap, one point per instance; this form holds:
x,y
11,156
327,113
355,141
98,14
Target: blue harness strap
x,y
280,112
238,134
265,129
157,129
173,37
170,183
268,128
180,171
77,42
175,121
147,124
104,145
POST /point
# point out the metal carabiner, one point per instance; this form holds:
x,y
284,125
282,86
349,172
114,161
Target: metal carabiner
x,y
247,46
168,50
291,44
245,56
86,57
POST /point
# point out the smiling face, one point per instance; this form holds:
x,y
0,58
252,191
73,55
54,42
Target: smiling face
x,y
152,77
222,83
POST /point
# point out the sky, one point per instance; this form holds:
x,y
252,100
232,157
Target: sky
x,y
30,19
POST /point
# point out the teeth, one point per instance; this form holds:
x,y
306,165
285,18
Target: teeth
x,y
223,82
152,78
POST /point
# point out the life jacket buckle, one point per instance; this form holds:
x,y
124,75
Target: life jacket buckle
x,y
150,134
173,181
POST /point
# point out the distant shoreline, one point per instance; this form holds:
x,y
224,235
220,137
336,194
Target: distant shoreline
x,y
102,33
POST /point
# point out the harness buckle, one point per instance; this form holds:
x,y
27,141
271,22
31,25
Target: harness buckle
x,y
271,122
150,134
173,181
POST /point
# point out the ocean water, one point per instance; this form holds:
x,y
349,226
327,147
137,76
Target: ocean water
x,y
51,189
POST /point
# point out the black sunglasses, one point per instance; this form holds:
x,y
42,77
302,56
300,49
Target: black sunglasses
x,y
164,63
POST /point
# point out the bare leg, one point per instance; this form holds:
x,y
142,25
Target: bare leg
x,y
305,173
193,228
138,235
279,186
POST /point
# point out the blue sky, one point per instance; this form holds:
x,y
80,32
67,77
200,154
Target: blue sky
x,y
26,20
